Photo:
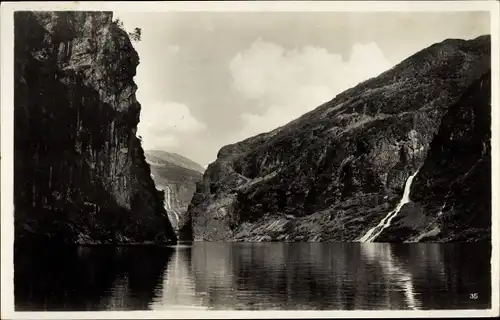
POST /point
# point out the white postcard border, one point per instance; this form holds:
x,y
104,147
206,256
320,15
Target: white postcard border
x,y
7,94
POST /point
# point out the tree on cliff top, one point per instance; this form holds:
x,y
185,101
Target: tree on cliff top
x,y
136,35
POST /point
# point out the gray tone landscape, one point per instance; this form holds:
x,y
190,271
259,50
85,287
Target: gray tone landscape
x,y
259,161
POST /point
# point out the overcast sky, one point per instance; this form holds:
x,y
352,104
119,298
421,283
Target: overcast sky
x,y
207,79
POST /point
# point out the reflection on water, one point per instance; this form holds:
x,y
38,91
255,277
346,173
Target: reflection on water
x,y
178,287
252,276
400,280
87,278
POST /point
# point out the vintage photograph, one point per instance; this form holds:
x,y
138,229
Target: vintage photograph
x,y
238,160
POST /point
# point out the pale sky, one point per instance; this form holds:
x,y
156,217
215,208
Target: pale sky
x,y
208,79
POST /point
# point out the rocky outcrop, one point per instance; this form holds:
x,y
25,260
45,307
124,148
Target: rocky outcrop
x,y
452,193
80,172
335,172
176,176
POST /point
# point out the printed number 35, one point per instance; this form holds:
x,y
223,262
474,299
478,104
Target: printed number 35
x,y
473,296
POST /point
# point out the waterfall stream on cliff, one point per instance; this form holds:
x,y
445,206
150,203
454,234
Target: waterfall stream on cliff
x,y
168,202
168,205
371,235
168,198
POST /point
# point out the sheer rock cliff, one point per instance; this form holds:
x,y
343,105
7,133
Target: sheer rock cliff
x,y
80,174
336,172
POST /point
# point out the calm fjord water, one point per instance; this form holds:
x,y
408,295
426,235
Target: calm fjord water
x,y
252,276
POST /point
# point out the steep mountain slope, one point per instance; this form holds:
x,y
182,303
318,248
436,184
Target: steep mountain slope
x,y
163,157
80,172
335,172
452,193
176,176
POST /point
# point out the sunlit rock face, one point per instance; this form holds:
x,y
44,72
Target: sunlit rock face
x,y
176,176
80,172
335,172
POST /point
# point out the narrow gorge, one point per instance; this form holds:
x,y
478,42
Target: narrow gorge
x,y
197,161
339,172
401,157
80,174
177,177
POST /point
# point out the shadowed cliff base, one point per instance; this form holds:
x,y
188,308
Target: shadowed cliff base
x,y
337,171
80,175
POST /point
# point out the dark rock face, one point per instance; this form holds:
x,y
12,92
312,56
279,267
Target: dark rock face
x,y
337,171
80,172
452,192
176,176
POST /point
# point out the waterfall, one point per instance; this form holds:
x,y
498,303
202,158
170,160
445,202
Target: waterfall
x,y
177,216
174,214
168,199
172,211
374,232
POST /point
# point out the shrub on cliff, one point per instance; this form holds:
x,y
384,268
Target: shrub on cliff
x,y
136,35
